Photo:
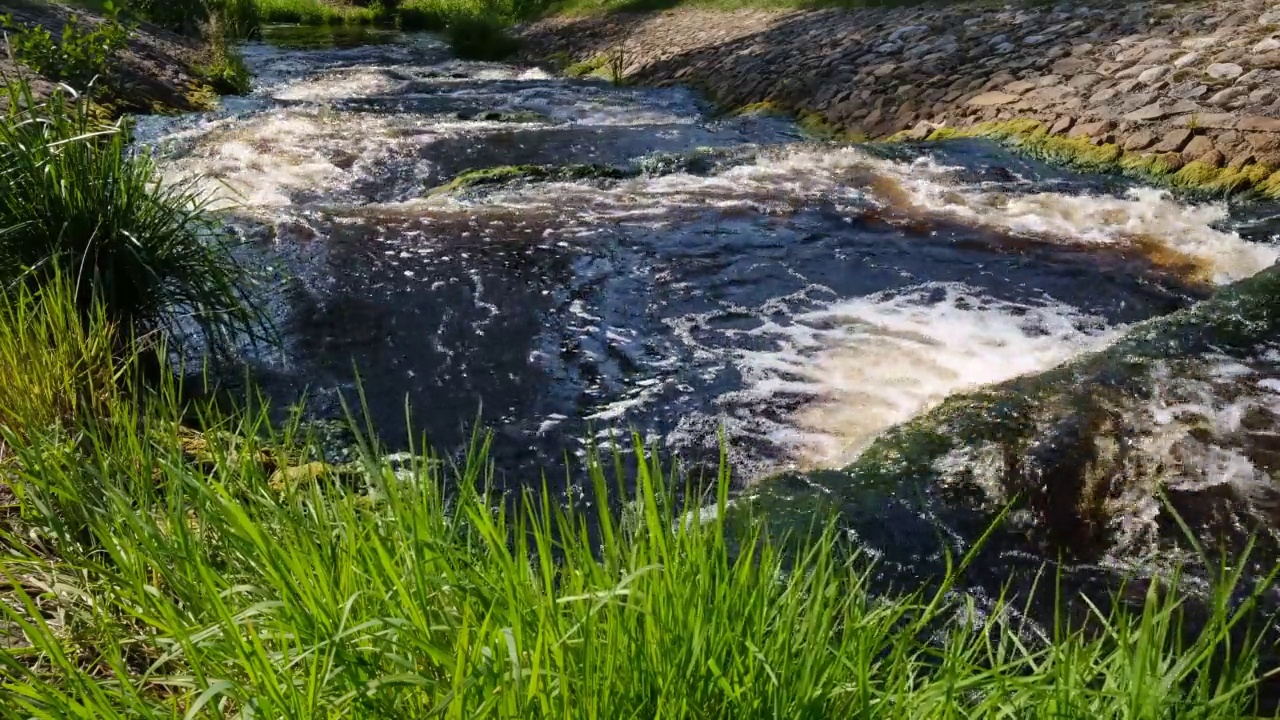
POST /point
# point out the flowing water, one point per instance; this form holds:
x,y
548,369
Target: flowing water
x,y
725,275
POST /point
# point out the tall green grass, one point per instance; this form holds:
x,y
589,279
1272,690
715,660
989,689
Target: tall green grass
x,y
76,199
156,577
317,12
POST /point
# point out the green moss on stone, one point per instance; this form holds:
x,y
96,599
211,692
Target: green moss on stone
x,y
1195,175
1033,138
764,107
512,173
591,66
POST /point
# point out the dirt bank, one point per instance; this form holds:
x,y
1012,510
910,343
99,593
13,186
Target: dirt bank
x,y
1189,91
158,72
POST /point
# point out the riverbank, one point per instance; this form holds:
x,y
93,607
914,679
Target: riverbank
x,y
1188,93
156,70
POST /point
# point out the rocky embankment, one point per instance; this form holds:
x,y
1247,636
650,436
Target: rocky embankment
x,y
1189,91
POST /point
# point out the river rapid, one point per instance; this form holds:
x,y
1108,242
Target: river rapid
x,y
663,269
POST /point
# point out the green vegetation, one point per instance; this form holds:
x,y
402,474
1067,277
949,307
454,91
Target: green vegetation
x,y
82,56
73,195
1033,138
316,12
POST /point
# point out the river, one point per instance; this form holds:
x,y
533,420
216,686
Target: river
x,y
658,267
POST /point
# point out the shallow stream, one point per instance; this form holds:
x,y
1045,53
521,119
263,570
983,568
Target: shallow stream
x,y
682,271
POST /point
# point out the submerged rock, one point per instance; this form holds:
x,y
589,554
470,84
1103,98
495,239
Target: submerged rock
x,y
1099,461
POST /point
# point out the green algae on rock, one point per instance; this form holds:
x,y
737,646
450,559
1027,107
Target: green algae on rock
x,y
1033,138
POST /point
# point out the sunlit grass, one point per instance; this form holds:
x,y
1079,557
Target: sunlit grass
x,y
198,577
315,12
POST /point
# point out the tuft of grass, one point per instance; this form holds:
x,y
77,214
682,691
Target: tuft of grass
x,y
74,195
57,366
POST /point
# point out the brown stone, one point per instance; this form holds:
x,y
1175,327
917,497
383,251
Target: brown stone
x,y
1084,82
1172,161
1140,140
1062,125
1214,158
1240,160
988,99
1263,142
1154,111
1092,129
1048,95
1197,147
1258,123
1019,87
1266,61
1071,66
1174,141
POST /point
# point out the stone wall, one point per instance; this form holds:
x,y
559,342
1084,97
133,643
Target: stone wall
x,y
1158,86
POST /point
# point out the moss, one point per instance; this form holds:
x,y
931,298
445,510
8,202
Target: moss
x,y
1271,186
1143,164
511,173
1032,138
591,66
1195,175
765,107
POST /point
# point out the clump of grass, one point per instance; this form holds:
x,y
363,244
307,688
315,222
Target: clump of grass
x,y
57,366
205,591
75,196
315,12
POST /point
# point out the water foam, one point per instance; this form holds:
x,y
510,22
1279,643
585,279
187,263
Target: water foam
x,y
1146,221
869,363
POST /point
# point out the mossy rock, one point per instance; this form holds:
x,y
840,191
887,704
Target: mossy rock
x,y
1069,452
513,173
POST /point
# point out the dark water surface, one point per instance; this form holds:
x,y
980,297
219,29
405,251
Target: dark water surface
x,y
802,296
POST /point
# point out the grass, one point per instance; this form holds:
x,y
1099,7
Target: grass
x,y
316,12
74,196
211,589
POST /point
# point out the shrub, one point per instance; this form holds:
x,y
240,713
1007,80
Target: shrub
x,y
476,36
74,195
79,57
